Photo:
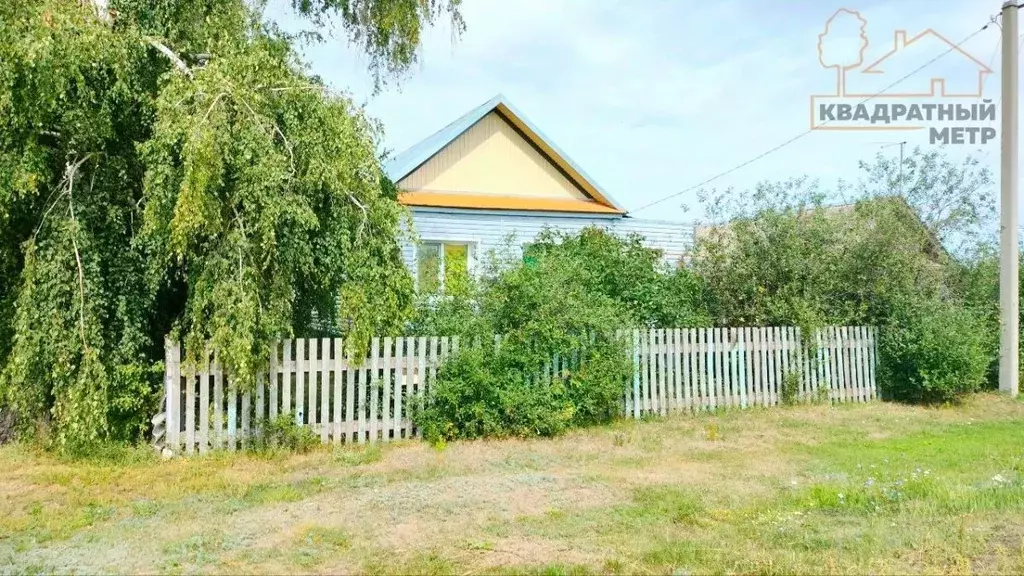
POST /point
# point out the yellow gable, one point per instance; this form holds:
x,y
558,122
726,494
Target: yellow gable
x,y
491,165
492,158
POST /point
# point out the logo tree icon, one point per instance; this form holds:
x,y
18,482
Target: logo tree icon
x,y
842,44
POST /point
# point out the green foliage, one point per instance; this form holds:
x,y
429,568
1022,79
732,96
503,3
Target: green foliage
x,y
543,311
787,258
623,269
789,389
282,434
173,166
933,352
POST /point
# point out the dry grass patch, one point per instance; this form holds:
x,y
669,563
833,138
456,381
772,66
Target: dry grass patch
x,y
801,489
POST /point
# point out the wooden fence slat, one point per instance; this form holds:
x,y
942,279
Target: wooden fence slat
x,y
737,368
336,373
273,383
172,402
726,398
801,362
784,347
741,367
771,352
312,366
873,353
350,400
851,392
670,372
389,415
663,372
723,367
771,345
744,367
851,340
759,367
851,343
361,430
218,401
751,367
683,344
190,409
697,359
855,369
865,363
390,356
408,392
259,412
708,370
421,389
819,364
656,372
203,437
696,370
677,370
404,390
762,367
300,380
836,383
325,390
286,379
245,418
649,386
775,341
635,402
232,413
713,369
837,343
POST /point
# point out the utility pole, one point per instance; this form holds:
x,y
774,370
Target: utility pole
x,y
1009,304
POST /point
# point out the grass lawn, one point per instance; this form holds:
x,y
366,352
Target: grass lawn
x,y
859,488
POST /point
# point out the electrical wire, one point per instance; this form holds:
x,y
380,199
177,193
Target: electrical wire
x,y
801,135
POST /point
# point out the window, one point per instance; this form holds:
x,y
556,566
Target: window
x,y
442,266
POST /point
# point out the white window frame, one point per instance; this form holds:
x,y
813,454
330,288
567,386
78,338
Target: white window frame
x,y
472,248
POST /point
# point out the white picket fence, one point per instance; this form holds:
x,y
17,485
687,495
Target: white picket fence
x,y
675,370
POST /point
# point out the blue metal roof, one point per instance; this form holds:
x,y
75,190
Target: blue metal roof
x,y
405,163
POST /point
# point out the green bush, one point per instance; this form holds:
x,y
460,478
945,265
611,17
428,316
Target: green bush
x,y
931,353
542,310
651,291
282,433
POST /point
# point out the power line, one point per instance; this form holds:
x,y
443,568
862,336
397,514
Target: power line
x,y
801,135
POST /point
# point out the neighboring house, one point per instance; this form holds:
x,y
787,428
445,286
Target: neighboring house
x,y
490,176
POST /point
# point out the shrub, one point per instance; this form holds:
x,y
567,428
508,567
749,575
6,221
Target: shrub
x,y
932,352
653,292
282,433
545,310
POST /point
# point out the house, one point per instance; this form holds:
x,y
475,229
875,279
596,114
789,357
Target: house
x,y
491,175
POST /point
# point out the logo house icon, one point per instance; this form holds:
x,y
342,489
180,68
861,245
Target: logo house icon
x,y
842,48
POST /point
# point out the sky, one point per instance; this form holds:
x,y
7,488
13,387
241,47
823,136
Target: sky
x,y
654,97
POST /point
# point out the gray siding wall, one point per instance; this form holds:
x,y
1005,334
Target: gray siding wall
x,y
488,231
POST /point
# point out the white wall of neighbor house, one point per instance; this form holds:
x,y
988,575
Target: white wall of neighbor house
x,y
485,232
